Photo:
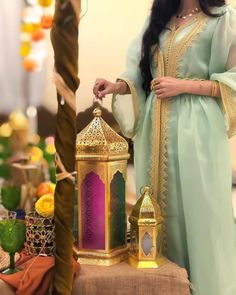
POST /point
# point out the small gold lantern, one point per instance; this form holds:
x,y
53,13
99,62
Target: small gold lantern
x,y
146,226
101,156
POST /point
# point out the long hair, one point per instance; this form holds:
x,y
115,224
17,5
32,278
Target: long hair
x,y
161,13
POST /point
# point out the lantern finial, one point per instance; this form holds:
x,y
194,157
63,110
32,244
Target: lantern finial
x,y
97,112
145,190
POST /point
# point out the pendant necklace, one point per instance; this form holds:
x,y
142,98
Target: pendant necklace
x,y
189,14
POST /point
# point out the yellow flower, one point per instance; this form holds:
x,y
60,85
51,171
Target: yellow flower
x,y
5,130
45,205
36,154
50,149
18,121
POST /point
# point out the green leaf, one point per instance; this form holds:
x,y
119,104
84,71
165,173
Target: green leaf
x,y
11,197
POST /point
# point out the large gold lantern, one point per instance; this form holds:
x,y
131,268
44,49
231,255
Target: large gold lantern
x,y
101,156
146,227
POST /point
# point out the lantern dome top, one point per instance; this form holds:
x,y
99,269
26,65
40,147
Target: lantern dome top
x,y
146,207
99,141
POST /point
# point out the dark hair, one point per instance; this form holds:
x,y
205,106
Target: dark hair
x,y
161,13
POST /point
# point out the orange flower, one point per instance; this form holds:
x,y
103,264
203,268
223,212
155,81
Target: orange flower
x,y
45,188
46,21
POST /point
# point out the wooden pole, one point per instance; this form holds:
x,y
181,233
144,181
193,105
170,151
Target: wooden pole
x,y
64,37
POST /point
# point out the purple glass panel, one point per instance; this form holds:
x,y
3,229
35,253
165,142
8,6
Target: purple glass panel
x,y
93,212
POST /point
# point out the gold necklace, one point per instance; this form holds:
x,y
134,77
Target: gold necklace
x,y
189,14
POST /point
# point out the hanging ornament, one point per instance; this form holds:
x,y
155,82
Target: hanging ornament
x,y
46,21
30,64
38,35
35,18
45,3
25,49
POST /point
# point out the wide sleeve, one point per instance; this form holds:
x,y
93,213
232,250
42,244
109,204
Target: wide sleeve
x,y
129,109
223,65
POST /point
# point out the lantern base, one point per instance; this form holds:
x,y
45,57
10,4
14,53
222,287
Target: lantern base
x,y
133,261
102,259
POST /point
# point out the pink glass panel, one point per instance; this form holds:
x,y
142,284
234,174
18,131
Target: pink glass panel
x,y
93,212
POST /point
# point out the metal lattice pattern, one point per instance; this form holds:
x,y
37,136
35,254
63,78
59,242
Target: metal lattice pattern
x,y
99,138
40,237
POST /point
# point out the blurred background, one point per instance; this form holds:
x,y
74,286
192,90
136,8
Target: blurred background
x,y
26,61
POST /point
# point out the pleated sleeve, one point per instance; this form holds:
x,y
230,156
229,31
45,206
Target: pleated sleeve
x,y
223,65
128,109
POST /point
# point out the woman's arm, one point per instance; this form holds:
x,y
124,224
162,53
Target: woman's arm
x,y
166,87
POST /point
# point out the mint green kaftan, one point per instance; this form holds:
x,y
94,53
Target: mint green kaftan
x,y
181,146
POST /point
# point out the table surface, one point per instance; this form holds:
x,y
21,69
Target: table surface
x,y
123,279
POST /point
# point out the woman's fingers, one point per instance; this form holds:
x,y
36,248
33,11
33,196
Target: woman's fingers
x,y
158,86
98,86
103,87
161,93
108,89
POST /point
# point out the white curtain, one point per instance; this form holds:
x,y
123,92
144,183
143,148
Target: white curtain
x,y
18,89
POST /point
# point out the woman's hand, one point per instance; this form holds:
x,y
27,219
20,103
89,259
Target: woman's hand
x,y
166,87
103,87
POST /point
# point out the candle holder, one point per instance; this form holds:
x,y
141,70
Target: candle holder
x,y
40,237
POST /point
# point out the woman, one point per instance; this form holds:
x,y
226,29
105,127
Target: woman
x,y
181,74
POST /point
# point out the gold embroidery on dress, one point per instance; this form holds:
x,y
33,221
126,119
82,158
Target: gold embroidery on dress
x,y
168,65
229,108
156,138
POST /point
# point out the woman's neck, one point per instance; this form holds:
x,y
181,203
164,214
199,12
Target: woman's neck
x,y
188,5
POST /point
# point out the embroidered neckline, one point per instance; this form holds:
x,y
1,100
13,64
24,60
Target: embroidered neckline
x,y
172,52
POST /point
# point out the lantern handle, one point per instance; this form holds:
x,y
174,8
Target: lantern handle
x,y
97,100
